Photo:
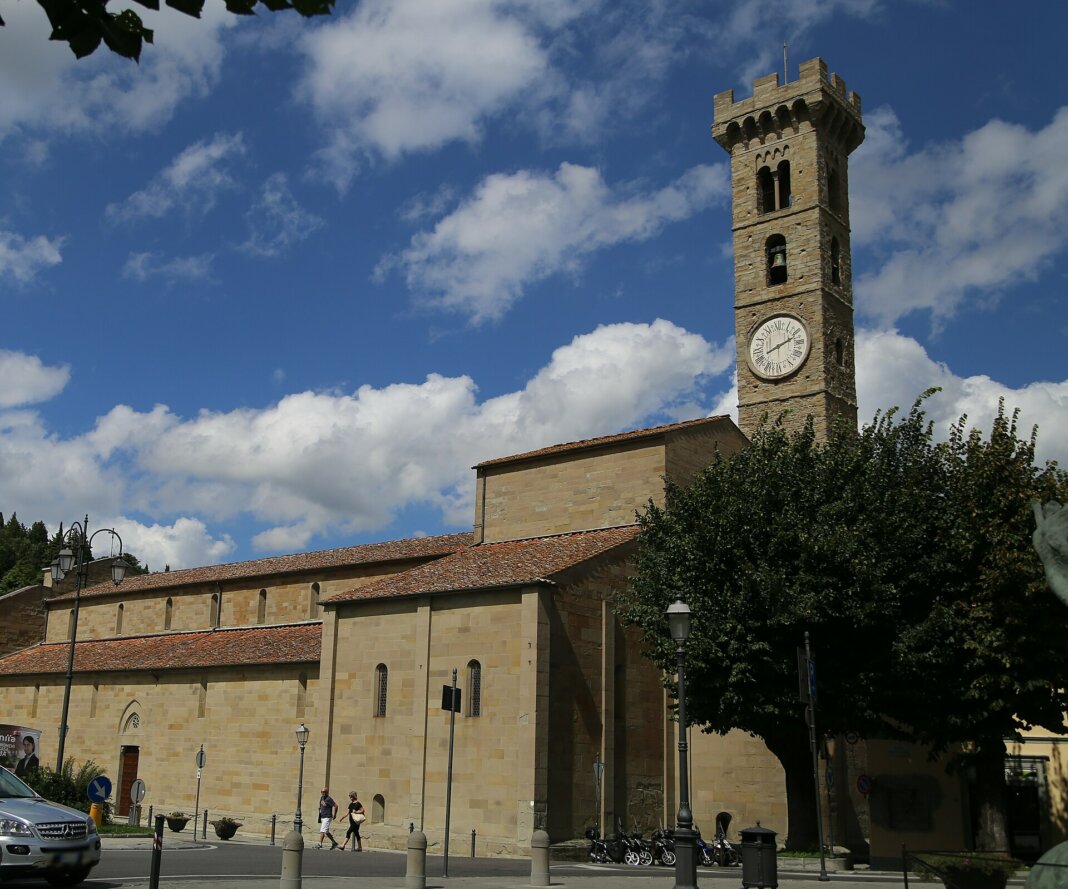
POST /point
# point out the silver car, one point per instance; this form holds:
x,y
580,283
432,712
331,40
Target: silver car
x,y
43,839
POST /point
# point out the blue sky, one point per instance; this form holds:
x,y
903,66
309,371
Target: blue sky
x,y
282,284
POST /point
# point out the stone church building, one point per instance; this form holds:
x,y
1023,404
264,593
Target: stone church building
x,y
357,643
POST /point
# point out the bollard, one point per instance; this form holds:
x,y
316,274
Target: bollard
x,y
539,859
415,871
96,812
157,854
274,824
472,842
151,820
204,835
292,854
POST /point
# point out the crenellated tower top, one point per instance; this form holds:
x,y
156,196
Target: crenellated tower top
x,y
816,96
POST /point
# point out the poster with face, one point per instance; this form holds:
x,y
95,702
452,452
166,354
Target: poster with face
x,y
19,748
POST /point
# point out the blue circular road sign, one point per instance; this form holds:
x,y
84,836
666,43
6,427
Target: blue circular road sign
x,y
99,789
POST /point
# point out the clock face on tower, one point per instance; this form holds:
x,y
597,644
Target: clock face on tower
x,y
779,346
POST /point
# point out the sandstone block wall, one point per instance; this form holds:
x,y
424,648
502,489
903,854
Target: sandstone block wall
x,y
573,492
23,622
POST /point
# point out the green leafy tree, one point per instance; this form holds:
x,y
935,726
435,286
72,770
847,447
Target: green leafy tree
x,y
83,24
863,541
69,786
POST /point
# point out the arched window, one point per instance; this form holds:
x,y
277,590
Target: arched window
x,y
836,262
302,695
786,197
313,601
381,683
765,190
378,809
775,248
261,608
70,625
168,613
36,697
839,352
118,618
216,610
474,688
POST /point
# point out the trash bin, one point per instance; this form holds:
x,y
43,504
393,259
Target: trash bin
x,y
760,867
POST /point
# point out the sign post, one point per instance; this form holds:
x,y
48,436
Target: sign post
x,y
450,700
202,760
137,793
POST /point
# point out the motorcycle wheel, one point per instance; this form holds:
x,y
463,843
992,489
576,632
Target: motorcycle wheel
x,y
706,859
733,858
645,857
632,858
667,857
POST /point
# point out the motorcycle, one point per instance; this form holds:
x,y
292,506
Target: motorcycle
x,y
664,847
598,847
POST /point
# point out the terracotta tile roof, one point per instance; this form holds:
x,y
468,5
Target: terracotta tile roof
x,y
365,554
239,646
491,565
634,435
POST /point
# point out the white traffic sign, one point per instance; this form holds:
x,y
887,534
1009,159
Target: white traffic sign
x,y
137,791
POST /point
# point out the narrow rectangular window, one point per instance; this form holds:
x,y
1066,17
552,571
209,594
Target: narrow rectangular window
x,y
474,689
381,682
202,700
92,701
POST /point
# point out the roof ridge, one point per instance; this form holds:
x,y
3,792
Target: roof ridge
x,y
170,634
579,444
548,536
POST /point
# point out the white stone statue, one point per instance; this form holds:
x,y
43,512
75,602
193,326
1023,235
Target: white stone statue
x,y
1051,544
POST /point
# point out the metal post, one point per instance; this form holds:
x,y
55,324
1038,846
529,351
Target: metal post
x,y
157,853
298,822
448,784
815,755
204,829
196,805
274,825
905,865
472,842
73,636
685,837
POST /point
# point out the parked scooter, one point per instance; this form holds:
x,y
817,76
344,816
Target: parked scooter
x,y
598,847
726,855
664,847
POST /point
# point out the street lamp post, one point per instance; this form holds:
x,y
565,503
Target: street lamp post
x,y
78,542
678,617
302,741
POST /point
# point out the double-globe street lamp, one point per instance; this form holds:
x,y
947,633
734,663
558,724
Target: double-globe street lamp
x,y
678,617
79,543
302,742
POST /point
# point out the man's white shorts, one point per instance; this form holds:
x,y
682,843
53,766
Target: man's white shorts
x,y
324,824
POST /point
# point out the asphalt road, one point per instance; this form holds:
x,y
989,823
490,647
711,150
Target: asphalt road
x,y
238,861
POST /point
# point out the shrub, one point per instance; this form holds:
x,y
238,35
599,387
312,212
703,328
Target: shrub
x,y
68,786
969,870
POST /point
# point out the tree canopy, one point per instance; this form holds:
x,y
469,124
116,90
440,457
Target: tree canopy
x,y
908,561
26,552
83,24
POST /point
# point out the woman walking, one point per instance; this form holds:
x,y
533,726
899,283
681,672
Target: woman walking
x,y
356,817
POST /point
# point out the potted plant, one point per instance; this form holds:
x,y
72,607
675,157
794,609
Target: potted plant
x,y
177,821
969,870
225,827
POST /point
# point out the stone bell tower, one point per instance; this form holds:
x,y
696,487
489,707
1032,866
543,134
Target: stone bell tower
x,y
793,295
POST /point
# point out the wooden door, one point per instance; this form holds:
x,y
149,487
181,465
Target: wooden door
x,y
127,776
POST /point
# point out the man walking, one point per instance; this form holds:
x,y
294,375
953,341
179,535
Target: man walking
x,y
327,813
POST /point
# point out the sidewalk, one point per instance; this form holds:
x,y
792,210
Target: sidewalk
x,y
566,875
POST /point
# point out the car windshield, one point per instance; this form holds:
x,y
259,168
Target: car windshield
x,y
10,786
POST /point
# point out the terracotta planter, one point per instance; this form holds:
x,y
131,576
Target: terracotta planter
x,y
225,830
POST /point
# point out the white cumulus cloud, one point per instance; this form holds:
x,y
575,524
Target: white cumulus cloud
x,y
22,258
519,228
191,182
25,379
959,219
